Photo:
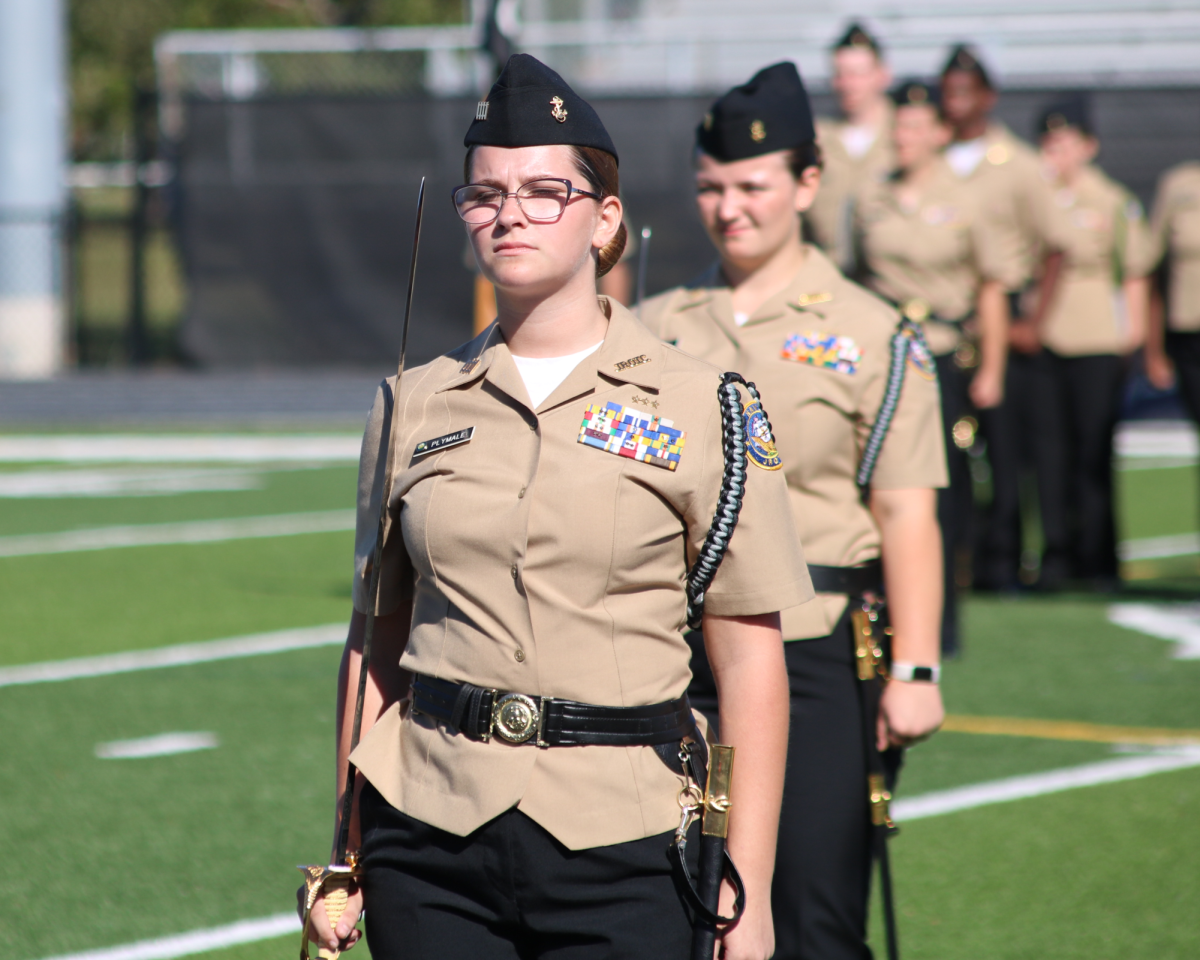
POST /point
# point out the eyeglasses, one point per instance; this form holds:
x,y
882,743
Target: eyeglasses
x,y
540,200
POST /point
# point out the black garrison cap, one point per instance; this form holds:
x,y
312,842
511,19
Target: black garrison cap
x,y
1071,111
916,93
856,35
769,113
530,105
962,57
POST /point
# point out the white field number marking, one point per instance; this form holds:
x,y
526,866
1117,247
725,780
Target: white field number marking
x,y
163,745
1177,622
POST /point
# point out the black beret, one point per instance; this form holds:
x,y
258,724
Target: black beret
x,y
530,105
1071,111
964,58
856,35
769,113
916,93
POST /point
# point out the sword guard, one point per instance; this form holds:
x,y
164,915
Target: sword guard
x,y
334,882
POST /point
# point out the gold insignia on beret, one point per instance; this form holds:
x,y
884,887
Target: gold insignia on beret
x,y
917,94
758,132
997,154
558,112
1056,121
481,110
708,121
632,362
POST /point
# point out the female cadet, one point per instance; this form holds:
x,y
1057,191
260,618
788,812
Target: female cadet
x,y
537,563
820,348
1095,318
926,247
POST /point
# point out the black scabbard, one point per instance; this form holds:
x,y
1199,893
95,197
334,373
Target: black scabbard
x,y
708,886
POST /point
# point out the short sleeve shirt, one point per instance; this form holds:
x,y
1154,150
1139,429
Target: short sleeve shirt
x,y
548,560
1175,228
938,253
1100,228
819,353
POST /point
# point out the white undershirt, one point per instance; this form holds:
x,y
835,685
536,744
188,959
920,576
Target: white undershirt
x,y
542,375
966,155
858,140
741,319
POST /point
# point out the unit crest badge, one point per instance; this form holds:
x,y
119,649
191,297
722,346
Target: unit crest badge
x,y
760,445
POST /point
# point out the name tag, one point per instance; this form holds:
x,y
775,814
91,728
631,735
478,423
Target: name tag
x,y
441,443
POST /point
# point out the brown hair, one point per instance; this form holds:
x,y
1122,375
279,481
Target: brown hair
x,y
599,169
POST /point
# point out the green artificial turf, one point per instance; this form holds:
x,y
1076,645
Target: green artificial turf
x,y
105,601
1157,503
282,491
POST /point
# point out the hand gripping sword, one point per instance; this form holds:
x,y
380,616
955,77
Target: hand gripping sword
x,y
334,880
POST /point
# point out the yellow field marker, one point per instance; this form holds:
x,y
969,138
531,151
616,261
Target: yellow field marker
x,y
1069,730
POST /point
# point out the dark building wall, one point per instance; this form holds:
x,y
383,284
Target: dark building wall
x,y
296,214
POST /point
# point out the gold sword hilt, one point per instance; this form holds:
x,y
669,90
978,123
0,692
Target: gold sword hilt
x,y
334,882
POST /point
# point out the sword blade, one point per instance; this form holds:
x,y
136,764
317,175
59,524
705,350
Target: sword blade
x,y
373,590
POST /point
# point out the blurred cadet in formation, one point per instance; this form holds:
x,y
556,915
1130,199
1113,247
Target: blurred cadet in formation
x,y
861,474
856,148
528,655
1094,318
1173,336
1004,174
931,246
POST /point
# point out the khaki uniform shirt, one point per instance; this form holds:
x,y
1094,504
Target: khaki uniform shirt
x,y
1009,186
1175,226
831,217
819,352
541,565
938,253
1104,238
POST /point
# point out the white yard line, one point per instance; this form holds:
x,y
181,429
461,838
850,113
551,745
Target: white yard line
x,y
198,941
1155,548
1157,438
180,448
1178,622
912,808
277,641
161,745
1040,784
126,481
160,534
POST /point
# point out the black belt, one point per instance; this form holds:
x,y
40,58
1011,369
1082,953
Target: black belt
x,y
853,581
479,712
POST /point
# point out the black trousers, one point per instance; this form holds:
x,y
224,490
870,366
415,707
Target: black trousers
x,y
1079,399
1184,350
823,863
955,503
510,890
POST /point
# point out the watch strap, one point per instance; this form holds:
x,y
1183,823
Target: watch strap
x,y
908,672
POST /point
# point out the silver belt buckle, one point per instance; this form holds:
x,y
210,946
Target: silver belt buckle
x,y
516,717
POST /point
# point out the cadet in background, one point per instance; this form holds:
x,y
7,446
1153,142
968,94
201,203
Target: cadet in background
x,y
1095,319
1004,173
929,246
1173,335
820,348
856,148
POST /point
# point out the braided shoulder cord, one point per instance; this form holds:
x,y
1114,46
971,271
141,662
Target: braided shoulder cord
x,y
729,501
901,344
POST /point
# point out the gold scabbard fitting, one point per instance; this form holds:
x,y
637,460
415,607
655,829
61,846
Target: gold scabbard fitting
x,y
868,655
334,882
880,797
715,819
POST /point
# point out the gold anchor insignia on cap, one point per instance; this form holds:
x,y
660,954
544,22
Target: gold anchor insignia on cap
x,y
758,132
558,112
481,110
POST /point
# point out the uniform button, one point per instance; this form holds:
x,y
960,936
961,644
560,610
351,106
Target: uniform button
x,y
514,571
521,495
520,655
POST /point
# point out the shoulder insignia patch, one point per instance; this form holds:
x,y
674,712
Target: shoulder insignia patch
x,y
632,433
632,362
760,445
920,357
426,447
825,350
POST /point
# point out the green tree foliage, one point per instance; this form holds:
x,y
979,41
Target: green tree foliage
x,y
111,47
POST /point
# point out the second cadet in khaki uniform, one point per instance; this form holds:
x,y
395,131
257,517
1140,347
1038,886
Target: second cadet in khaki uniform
x,y
928,246
856,148
820,348
555,478
1095,318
